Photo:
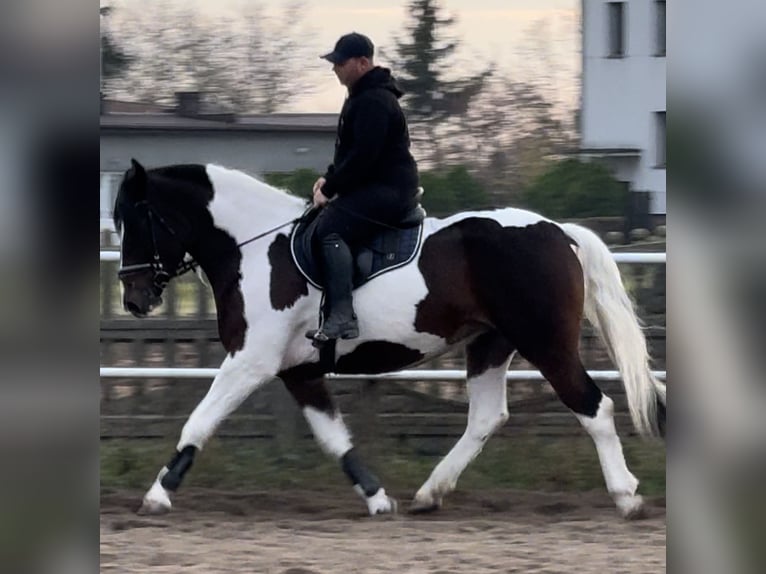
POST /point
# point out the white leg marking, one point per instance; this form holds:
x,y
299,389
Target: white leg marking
x,y
234,383
620,483
157,499
378,503
329,430
487,411
333,436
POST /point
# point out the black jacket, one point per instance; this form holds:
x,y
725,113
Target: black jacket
x,y
373,143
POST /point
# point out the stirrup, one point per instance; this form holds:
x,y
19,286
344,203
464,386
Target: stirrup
x,y
317,338
349,331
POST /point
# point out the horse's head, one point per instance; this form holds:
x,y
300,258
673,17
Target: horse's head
x,y
152,244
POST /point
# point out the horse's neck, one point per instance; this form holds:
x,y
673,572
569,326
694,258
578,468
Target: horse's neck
x,y
242,208
245,207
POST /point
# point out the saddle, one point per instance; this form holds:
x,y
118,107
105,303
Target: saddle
x,y
389,250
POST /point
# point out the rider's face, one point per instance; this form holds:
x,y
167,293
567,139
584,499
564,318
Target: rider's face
x,y
348,72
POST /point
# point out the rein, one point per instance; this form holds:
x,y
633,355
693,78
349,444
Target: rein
x,y
353,213
161,275
273,229
190,264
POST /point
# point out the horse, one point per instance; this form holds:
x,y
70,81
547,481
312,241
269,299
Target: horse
x,y
493,282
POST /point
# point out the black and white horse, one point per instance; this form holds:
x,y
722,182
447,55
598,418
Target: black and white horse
x,y
493,282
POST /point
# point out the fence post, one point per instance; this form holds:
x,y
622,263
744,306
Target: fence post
x,y
107,286
202,301
367,421
286,417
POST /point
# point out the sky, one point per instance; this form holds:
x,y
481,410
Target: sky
x,y
527,40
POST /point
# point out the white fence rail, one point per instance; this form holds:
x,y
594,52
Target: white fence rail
x,y
618,257
445,375
440,375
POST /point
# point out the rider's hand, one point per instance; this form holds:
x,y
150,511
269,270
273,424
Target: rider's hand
x,y
320,198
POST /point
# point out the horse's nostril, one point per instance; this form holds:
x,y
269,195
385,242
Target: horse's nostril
x,y
132,308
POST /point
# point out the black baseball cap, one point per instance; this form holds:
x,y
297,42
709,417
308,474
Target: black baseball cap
x,y
352,45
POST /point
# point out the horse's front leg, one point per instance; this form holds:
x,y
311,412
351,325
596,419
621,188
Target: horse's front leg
x,y
334,438
236,380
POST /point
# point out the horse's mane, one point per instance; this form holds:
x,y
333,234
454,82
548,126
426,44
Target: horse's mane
x,y
176,171
189,175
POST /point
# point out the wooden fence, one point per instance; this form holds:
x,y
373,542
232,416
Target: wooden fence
x,y
184,334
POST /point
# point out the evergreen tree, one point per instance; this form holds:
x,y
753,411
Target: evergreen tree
x,y
421,61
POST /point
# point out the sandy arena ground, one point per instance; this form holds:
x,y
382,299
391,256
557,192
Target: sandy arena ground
x,y
304,533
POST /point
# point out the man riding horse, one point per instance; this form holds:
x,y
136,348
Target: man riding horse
x,y
372,180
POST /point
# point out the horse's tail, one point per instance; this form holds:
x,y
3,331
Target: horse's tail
x,y
610,311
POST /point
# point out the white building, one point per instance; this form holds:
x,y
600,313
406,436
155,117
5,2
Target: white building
x,y
623,92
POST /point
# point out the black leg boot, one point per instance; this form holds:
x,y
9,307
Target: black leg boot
x,y
338,269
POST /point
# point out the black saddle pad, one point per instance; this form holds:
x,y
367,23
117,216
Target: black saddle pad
x,y
391,249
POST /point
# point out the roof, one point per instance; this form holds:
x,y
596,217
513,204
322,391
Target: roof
x,y
122,107
609,152
145,117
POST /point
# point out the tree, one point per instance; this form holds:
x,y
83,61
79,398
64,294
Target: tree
x,y
572,188
266,59
510,134
172,52
519,121
452,189
114,60
422,60
238,64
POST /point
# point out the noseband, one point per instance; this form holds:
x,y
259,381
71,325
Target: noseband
x,y
160,276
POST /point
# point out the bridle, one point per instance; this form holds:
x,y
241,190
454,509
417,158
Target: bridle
x,y
161,276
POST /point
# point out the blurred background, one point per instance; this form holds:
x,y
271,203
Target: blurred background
x,y
508,103
559,106
555,105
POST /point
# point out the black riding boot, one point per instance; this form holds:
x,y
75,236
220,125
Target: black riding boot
x,y
338,268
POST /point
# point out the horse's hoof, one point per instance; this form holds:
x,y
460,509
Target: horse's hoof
x,y
381,503
630,506
152,509
425,504
156,501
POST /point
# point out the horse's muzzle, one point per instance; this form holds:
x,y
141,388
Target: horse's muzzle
x,y
140,302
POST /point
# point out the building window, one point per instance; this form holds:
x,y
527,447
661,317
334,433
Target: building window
x,y
661,145
660,4
616,29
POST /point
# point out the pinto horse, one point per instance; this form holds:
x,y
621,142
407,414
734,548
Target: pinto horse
x,y
492,282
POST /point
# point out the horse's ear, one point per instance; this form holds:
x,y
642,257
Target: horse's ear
x,y
135,180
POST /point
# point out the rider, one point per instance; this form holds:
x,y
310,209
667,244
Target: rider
x,y
373,177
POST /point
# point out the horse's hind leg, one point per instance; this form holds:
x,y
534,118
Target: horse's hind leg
x,y
560,364
233,384
334,438
487,360
536,302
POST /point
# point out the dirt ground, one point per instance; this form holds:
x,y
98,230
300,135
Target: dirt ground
x,y
320,533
